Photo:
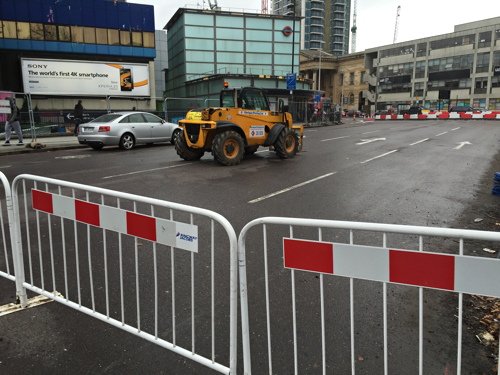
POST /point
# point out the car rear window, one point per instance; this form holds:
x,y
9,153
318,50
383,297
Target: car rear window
x,y
106,118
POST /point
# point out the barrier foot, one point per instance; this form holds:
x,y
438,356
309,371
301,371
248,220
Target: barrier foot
x,y
32,302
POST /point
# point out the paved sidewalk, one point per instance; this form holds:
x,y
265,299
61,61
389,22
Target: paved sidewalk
x,y
53,142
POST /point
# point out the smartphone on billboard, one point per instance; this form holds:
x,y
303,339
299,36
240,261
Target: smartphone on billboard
x,y
126,81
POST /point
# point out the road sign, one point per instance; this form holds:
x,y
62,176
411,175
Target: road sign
x,y
291,81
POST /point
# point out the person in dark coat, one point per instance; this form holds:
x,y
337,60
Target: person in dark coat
x,y
78,115
13,123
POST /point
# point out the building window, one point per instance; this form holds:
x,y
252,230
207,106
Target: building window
x,y
101,36
496,58
451,63
148,40
351,98
64,33
50,32
481,85
23,30
136,38
419,89
9,30
453,42
113,37
124,38
484,39
37,32
341,79
421,49
76,34
483,62
89,35
495,81
351,78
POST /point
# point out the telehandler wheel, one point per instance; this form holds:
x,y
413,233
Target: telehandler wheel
x,y
287,144
185,152
228,148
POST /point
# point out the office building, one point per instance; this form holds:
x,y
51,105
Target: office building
x,y
459,68
325,24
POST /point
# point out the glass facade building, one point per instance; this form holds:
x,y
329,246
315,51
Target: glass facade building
x,y
325,23
245,48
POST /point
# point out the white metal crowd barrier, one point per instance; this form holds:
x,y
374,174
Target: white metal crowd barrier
x,y
110,254
6,220
305,323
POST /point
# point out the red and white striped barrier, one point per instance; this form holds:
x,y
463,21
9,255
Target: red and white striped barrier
x,y
494,115
170,233
472,275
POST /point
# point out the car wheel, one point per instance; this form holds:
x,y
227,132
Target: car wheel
x,y
228,148
287,144
175,135
127,141
184,151
97,147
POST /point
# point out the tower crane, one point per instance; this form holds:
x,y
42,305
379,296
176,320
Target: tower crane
x,y
354,28
263,7
397,25
212,5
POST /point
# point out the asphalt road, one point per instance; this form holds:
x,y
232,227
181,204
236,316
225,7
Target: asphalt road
x,y
398,172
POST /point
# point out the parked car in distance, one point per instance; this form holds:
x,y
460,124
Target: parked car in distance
x,y
461,108
413,110
127,129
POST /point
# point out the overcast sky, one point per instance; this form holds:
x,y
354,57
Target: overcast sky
x,y
376,19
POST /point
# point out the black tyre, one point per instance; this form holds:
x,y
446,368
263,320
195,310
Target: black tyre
x,y
287,144
228,148
97,147
185,152
250,150
127,141
175,135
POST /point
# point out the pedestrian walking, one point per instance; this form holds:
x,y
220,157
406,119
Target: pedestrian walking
x,y
78,115
13,123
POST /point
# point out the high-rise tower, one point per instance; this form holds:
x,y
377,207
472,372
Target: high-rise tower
x,y
325,22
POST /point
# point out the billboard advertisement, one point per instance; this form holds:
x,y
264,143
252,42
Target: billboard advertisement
x,y
84,78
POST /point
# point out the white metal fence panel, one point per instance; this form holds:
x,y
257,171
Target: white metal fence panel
x,y
343,297
6,260
143,265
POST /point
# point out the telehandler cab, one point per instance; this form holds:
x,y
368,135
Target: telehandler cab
x,y
243,122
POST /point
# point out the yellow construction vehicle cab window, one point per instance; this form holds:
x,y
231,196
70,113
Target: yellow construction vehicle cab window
x,y
228,99
253,98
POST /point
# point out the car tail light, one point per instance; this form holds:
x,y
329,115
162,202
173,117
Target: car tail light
x,y
104,129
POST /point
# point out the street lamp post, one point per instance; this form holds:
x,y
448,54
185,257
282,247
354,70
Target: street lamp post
x,y
319,72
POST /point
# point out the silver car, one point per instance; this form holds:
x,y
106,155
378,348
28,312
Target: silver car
x,y
126,129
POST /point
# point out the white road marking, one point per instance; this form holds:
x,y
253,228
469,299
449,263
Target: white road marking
x,y
373,131
290,188
365,141
146,170
376,157
437,135
5,166
461,144
332,139
455,128
73,157
416,143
